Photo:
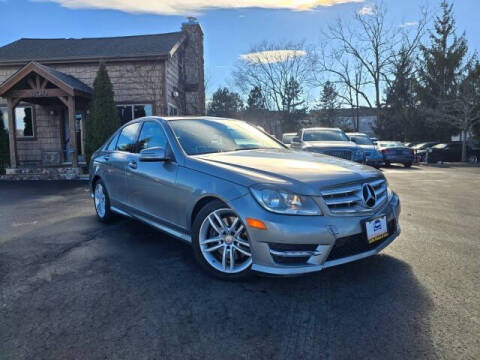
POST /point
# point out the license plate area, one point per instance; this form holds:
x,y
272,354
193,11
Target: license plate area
x,y
376,229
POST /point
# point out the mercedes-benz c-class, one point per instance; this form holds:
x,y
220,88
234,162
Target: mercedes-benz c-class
x,y
244,201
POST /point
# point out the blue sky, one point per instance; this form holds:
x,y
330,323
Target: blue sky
x,y
229,32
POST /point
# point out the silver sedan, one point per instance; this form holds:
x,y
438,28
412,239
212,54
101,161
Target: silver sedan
x,y
243,200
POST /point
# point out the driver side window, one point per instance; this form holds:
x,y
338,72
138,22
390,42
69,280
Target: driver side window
x,y
151,135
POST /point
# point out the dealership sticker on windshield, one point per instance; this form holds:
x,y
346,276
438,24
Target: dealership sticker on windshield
x,y
376,229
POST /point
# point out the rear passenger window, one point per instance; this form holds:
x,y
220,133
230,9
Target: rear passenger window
x,y
128,137
152,135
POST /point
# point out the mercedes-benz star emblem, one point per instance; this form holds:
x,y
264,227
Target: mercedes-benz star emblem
x,y
369,196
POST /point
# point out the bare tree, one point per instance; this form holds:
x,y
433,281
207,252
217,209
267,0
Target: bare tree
x,y
272,68
371,43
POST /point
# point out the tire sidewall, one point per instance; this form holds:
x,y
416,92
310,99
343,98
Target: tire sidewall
x,y
197,252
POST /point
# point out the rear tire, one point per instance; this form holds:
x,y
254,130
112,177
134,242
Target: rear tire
x,y
220,243
101,201
408,165
387,164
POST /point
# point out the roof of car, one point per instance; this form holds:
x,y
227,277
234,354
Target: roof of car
x,y
323,128
357,133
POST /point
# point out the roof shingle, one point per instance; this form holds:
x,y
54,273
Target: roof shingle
x,y
24,50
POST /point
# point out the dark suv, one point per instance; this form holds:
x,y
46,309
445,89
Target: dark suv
x,y
329,141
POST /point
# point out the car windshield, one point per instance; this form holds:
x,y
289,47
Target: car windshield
x,y
361,140
440,146
324,135
205,136
421,146
390,144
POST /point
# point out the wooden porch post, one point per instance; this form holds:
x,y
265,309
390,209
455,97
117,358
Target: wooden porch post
x,y
11,132
73,134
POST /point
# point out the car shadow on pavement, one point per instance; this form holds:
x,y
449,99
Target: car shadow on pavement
x,y
126,290
400,167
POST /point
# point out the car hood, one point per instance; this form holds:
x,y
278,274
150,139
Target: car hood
x,y
330,145
367,147
296,171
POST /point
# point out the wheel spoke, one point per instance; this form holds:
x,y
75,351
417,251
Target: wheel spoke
x,y
213,248
234,225
232,259
208,241
212,223
242,251
243,243
220,221
224,258
239,231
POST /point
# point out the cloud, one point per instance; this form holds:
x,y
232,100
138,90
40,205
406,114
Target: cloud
x,y
409,24
272,56
193,7
367,10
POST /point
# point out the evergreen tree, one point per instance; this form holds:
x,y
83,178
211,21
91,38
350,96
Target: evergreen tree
x,y
441,64
256,100
225,103
328,105
400,119
4,144
291,96
103,118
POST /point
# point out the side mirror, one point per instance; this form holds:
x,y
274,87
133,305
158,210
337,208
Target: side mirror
x,y
154,154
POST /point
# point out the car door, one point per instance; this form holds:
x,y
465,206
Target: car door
x,y
152,185
117,164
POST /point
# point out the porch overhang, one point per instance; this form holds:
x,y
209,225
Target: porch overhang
x,y
39,84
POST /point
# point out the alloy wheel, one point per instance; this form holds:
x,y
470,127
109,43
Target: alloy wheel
x,y
224,242
100,200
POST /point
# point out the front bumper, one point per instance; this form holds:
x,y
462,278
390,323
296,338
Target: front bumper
x,y
315,236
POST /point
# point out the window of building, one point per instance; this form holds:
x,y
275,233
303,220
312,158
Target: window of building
x,y
24,121
172,110
129,112
128,137
152,135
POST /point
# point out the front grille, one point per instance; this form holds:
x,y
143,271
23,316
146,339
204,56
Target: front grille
x,y
344,154
356,244
349,199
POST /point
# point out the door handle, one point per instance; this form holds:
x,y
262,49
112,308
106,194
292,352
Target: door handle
x,y
132,164
106,157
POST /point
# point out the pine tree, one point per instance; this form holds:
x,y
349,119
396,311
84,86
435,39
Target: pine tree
x,y
225,103
4,145
441,64
256,100
328,105
103,118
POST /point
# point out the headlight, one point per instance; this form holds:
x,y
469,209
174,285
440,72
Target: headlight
x,y
282,202
358,155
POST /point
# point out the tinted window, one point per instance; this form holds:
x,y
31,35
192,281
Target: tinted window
x,y
361,140
126,141
152,135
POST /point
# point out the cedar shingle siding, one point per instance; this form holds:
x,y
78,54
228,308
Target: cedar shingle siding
x,y
148,69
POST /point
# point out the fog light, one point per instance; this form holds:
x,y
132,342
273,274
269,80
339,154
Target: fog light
x,y
256,224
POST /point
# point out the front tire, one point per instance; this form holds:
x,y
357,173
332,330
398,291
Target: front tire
x,y
408,165
101,201
220,242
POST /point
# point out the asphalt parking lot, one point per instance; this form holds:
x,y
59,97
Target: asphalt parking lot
x,y
72,288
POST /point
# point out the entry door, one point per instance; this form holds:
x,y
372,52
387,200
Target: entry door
x,y
66,138
79,131
152,185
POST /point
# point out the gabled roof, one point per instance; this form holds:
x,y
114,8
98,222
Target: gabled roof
x,y
45,50
72,86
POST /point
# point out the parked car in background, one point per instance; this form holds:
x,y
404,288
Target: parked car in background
x,y
287,138
374,140
451,152
396,152
329,141
421,149
242,199
409,144
373,156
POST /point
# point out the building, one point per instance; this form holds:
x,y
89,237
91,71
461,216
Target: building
x,y
46,86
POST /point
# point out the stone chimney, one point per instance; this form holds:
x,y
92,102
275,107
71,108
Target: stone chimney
x,y
194,67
